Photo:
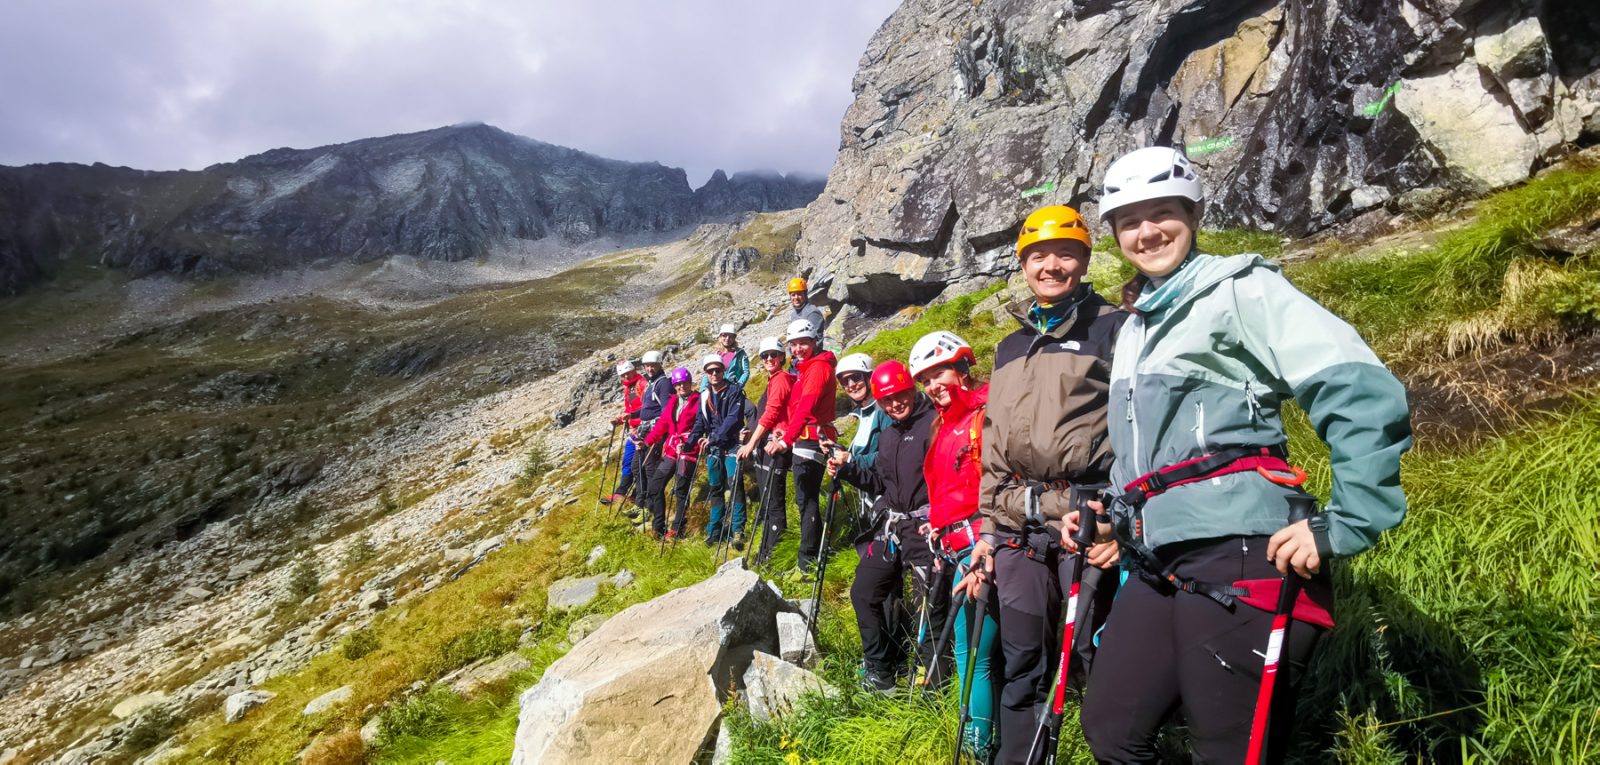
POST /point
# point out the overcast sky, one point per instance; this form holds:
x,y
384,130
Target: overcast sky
x,y
166,84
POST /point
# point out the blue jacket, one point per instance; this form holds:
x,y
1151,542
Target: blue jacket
x,y
720,419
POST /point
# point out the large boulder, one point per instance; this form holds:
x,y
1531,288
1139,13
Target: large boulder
x,y
649,684
1301,115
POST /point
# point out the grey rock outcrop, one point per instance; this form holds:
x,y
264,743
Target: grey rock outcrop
x,y
648,685
755,191
1301,116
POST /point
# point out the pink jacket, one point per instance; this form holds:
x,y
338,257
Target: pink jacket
x,y
676,419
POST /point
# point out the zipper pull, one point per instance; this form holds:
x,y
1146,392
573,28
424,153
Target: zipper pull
x,y
1130,403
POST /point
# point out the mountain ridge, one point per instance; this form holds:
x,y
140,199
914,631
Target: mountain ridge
x,y
452,193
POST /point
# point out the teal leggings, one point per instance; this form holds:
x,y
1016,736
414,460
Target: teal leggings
x,y
979,734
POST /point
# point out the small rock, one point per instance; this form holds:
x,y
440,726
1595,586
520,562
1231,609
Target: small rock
x,y
195,593
488,546
239,704
457,554
584,627
575,592
133,705
525,536
622,579
327,701
565,546
595,555
801,605
773,686
9,756
27,661
245,568
795,644
369,730
374,600
723,753
488,673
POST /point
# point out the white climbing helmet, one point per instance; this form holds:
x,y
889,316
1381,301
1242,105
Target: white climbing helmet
x,y
624,367
938,348
712,358
800,328
728,329
651,357
855,362
1153,172
770,345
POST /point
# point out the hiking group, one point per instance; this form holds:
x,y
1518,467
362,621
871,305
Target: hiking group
x,y
1114,510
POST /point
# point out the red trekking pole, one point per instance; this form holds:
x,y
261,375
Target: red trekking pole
x,y
1301,507
1049,732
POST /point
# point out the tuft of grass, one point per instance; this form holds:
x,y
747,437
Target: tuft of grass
x,y
1472,274
359,644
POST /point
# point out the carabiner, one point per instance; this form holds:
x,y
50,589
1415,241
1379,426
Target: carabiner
x,y
1297,477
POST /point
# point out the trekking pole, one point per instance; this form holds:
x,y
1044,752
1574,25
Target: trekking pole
x,y
822,558
605,461
1049,732
916,647
758,530
1301,507
735,488
949,623
974,637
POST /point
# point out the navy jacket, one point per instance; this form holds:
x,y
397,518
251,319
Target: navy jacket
x,y
721,418
655,398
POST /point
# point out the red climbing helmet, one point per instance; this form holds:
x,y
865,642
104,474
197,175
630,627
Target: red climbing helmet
x,y
890,378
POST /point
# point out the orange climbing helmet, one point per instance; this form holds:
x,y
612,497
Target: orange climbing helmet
x,y
797,284
1053,222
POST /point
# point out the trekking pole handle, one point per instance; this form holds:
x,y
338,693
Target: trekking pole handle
x,y
1088,525
1301,506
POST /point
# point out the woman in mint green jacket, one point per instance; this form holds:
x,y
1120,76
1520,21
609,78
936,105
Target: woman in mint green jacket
x,y
1216,347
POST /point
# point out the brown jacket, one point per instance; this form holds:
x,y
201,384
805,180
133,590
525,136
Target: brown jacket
x,y
1046,419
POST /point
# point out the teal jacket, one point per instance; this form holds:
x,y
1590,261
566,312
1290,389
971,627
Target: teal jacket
x,y
870,421
1215,351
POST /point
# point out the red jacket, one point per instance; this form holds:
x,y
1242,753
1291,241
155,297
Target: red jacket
x,y
953,467
633,398
779,387
812,405
676,419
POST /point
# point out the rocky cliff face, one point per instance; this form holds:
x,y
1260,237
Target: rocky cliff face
x,y
447,194
757,191
1303,115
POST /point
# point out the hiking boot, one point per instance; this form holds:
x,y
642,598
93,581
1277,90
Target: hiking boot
x,y
738,542
879,682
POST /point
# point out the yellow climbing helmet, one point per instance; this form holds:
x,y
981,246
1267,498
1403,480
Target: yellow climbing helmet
x,y
1053,222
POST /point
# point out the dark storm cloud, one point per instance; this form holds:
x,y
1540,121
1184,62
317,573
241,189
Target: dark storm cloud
x,y
695,84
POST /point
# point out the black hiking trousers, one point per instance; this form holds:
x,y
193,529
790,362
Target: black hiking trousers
x,y
645,460
1164,651
771,484
879,576
1030,592
665,471
808,475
